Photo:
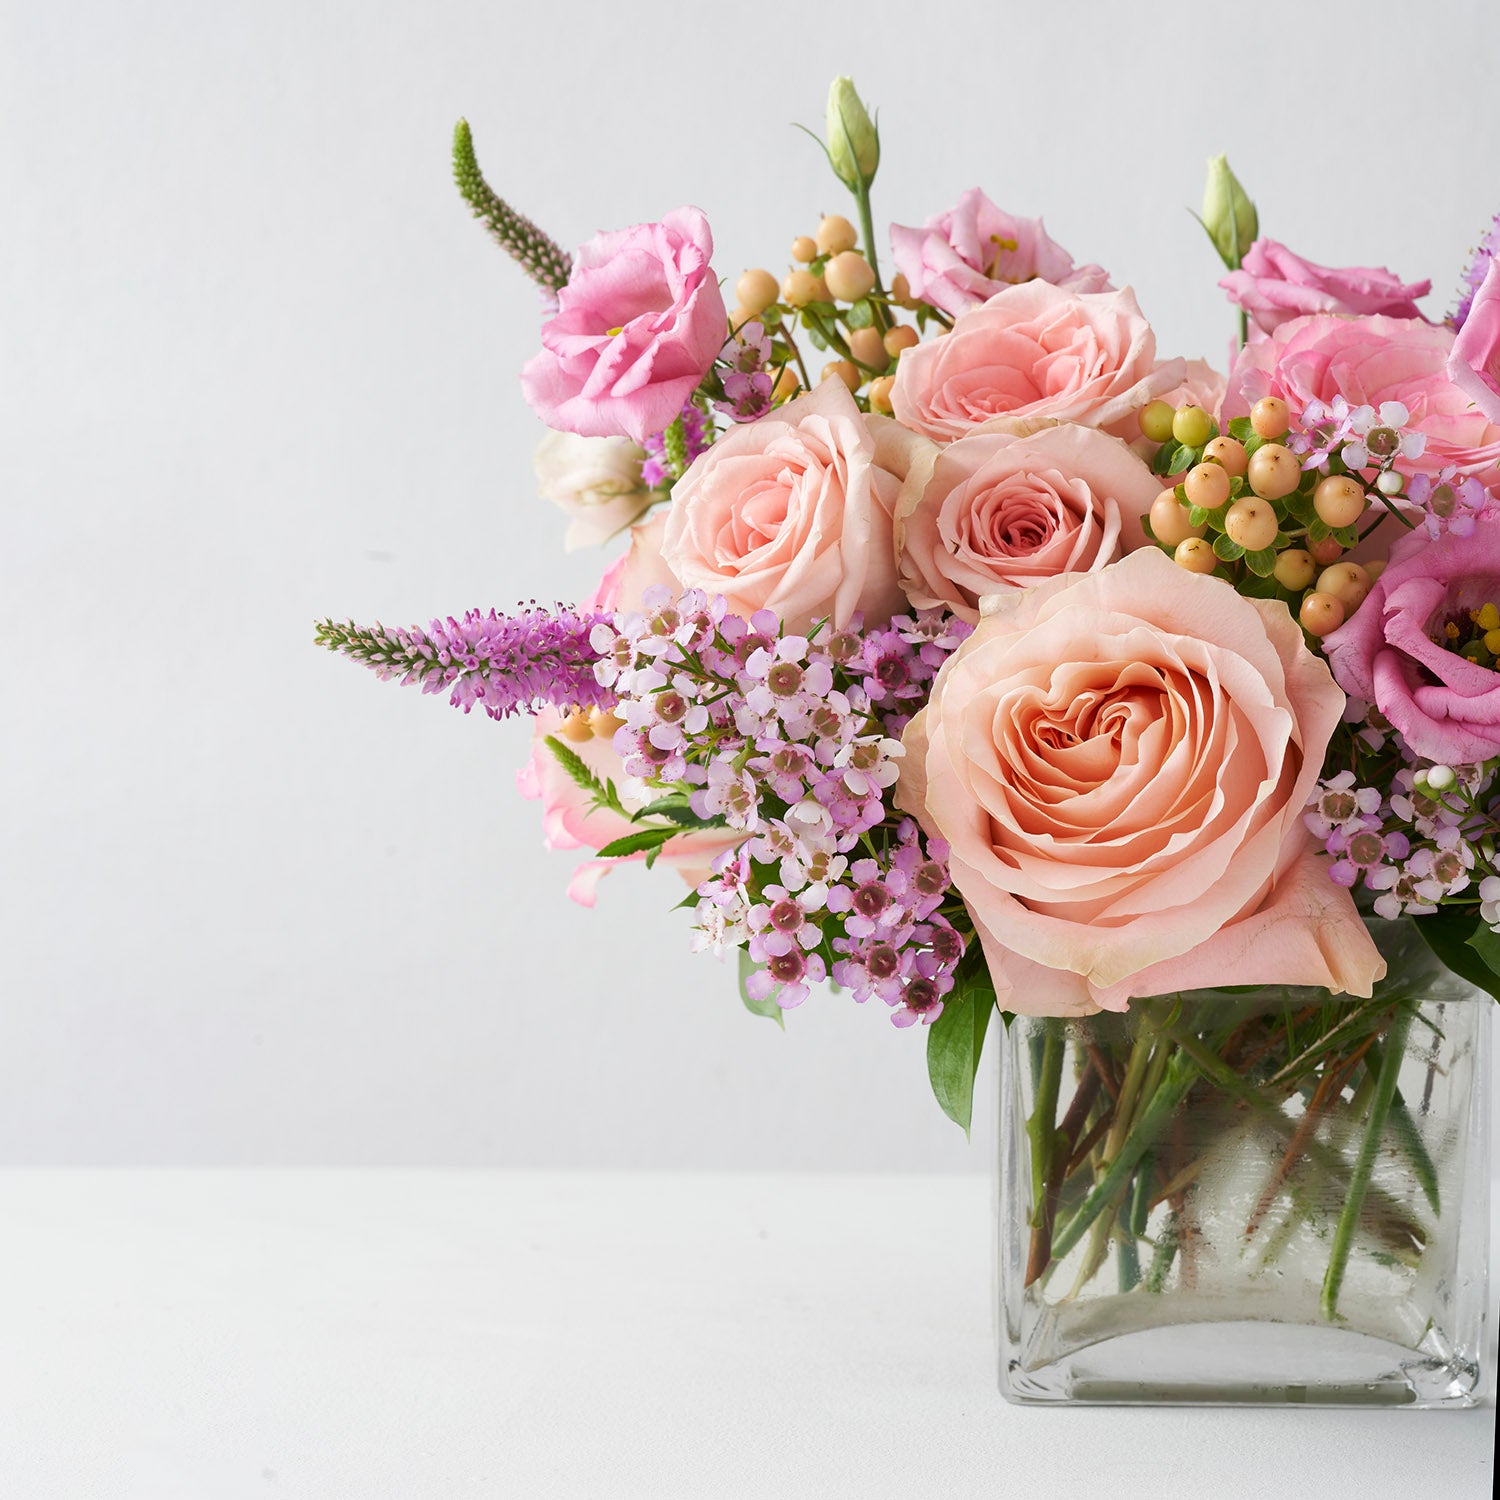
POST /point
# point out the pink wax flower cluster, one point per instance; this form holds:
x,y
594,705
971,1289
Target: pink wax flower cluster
x,y
791,740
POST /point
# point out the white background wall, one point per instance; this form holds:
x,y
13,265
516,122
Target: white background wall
x,y
257,366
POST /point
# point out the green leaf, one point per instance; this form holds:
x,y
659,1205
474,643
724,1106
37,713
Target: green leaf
x,y
1229,551
1166,457
678,811
956,1040
1450,935
767,1007
1486,943
573,764
1262,563
861,314
636,843
1240,429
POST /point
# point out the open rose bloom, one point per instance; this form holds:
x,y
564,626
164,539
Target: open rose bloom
x,y
966,653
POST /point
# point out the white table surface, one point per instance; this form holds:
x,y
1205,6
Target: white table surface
x,y
215,1334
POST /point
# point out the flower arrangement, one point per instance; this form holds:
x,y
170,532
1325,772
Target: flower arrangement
x,y
1007,664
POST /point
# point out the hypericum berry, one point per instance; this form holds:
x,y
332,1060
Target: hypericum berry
x,y
1321,614
1269,417
605,723
1295,569
842,369
868,347
1196,555
1252,523
902,336
1156,421
901,293
1169,520
787,385
1229,453
804,248
880,393
1347,582
1192,426
576,727
835,235
799,288
1329,550
849,276
1339,500
756,290
1273,471
739,316
1207,485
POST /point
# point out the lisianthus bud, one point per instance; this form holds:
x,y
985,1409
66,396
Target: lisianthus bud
x,y
853,141
1228,214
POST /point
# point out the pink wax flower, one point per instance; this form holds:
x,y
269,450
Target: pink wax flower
x,y
638,325
1033,354
1446,707
1474,363
963,257
1274,285
1120,762
568,819
1368,362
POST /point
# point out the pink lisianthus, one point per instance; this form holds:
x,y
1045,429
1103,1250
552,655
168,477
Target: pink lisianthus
x,y
568,821
792,513
963,257
1369,361
1120,763
1446,707
1474,362
997,511
638,325
1034,355
1274,285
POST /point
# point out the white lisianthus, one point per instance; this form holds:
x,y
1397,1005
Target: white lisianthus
x,y
595,480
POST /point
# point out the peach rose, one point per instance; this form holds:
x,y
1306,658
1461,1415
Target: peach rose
x,y
1034,353
997,511
793,513
1120,763
568,821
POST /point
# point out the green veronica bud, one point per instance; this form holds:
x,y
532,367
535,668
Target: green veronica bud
x,y
1228,214
853,141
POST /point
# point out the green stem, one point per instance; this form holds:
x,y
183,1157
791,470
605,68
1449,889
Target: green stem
x,y
867,229
1180,1077
1041,1127
1161,1261
1408,1137
1380,1108
1133,1226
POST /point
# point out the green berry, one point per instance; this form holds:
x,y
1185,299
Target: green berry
x,y
1192,426
1156,421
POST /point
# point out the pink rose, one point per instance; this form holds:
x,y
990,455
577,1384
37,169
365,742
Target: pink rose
x,y
568,821
1446,707
1120,763
1036,354
963,257
1474,361
1369,361
638,325
793,513
994,511
1274,285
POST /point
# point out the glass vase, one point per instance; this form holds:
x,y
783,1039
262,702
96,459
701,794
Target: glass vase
x,y
1250,1196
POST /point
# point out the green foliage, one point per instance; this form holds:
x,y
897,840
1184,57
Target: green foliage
x,y
767,1007
1465,945
955,1040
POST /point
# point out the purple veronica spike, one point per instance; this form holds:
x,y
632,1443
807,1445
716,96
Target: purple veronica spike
x,y
1486,250
506,664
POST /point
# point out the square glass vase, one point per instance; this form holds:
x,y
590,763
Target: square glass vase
x,y
1250,1196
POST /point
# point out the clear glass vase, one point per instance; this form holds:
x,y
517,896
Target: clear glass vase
x,y
1250,1196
